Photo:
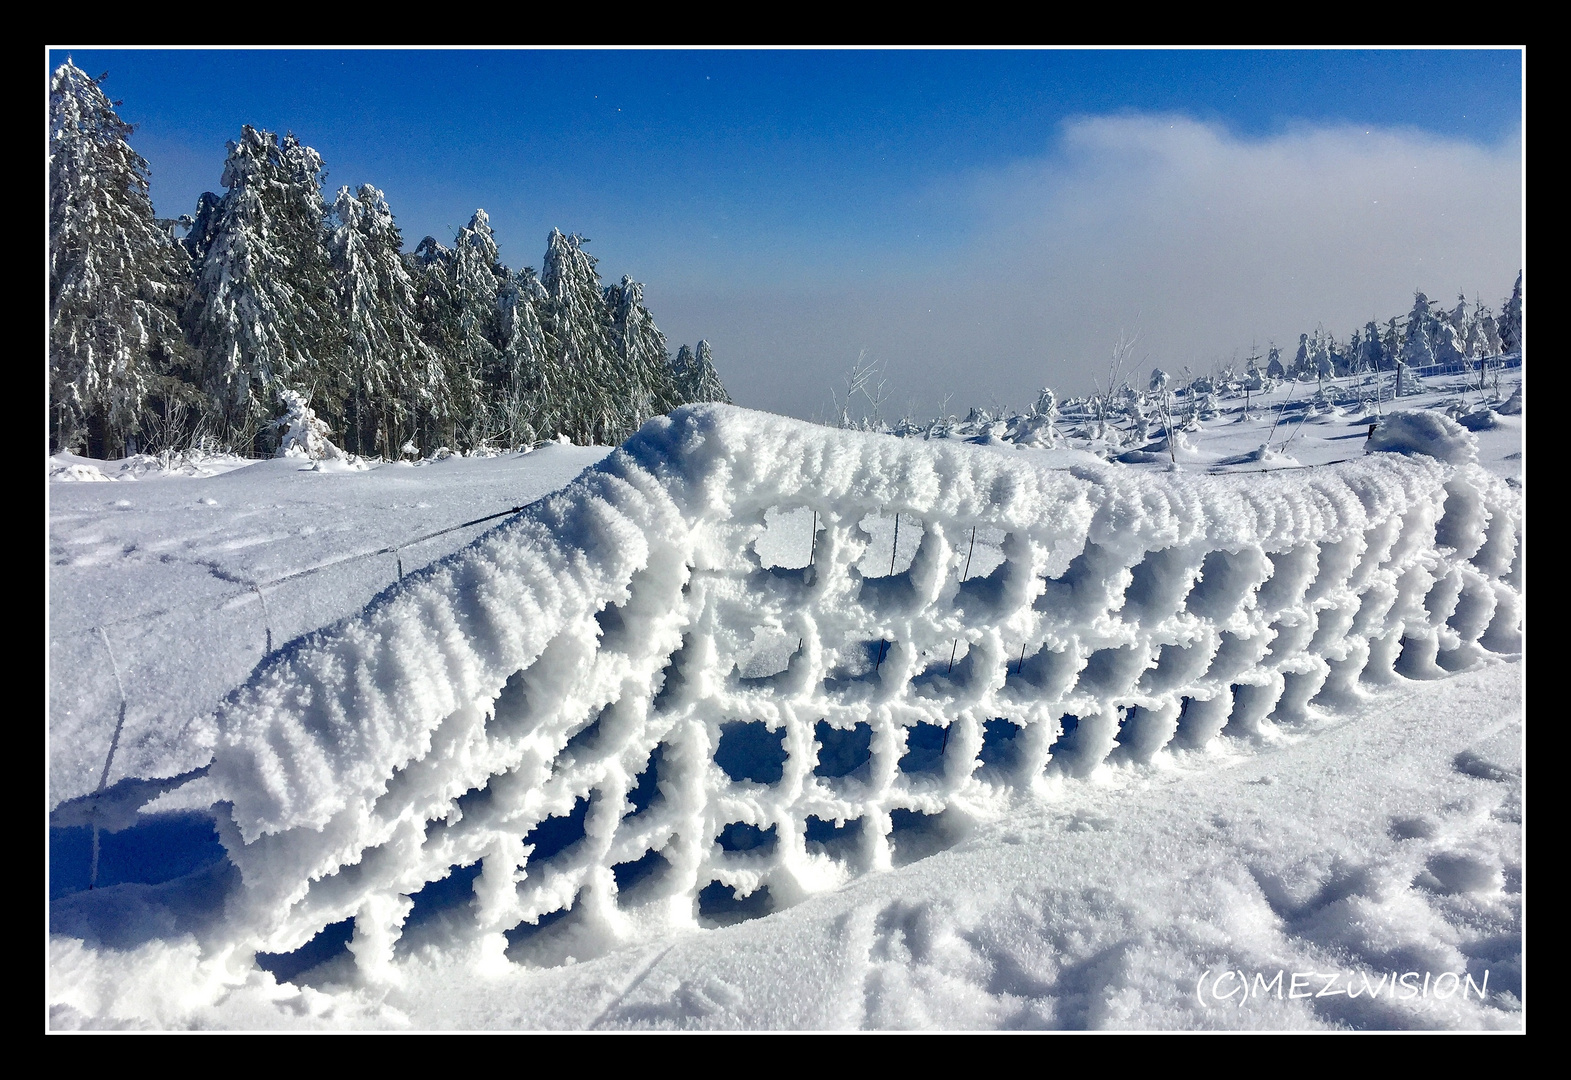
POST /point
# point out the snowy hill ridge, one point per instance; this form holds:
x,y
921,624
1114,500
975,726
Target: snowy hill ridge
x,y
746,658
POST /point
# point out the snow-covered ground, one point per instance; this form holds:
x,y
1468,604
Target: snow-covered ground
x,y
1365,843
162,564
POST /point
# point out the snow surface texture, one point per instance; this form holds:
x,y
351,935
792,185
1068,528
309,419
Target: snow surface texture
x,y
710,678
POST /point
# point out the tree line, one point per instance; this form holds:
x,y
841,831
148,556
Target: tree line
x,y
166,334
1428,335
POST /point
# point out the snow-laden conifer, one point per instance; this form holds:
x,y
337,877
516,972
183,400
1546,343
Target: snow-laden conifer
x,y
263,309
696,376
1390,345
1483,335
1370,356
476,278
1511,320
1322,349
596,402
392,370
641,351
1303,361
201,226
300,433
1417,347
430,267
533,381
1458,316
1448,345
116,278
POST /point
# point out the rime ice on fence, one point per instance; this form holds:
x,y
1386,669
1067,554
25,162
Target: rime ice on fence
x,y
708,677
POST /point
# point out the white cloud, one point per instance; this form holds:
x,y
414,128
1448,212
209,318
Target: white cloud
x,y
1210,240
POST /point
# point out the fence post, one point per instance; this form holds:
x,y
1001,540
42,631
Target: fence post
x,y
266,619
114,743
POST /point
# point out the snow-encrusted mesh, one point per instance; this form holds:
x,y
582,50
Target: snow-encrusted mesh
x,y
710,676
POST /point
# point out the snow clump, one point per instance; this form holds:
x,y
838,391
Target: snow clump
x,y
1427,432
301,434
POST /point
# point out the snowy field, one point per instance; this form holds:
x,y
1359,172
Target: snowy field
x,y
1136,882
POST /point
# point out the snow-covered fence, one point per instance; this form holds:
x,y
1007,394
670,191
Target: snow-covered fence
x,y
75,770
710,677
1464,367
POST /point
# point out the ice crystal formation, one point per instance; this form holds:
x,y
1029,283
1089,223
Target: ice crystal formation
x,y
746,658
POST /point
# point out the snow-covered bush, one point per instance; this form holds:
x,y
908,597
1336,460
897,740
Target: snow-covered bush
x,y
1424,432
1512,406
301,434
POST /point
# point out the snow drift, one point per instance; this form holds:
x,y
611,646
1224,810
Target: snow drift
x,y
746,658
1427,432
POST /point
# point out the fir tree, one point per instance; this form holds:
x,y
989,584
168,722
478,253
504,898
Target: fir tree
x,y
476,277
1303,362
1390,345
641,350
1417,348
1447,343
596,405
116,278
263,309
1483,336
1511,320
430,266
679,371
533,380
1458,316
696,375
201,227
1370,355
391,368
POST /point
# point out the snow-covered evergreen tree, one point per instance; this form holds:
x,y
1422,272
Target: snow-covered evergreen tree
x,y
1511,320
1390,345
201,227
680,366
1458,317
116,278
263,310
1321,349
641,349
476,278
1448,347
1274,368
533,381
430,267
392,369
696,376
300,433
596,405
1417,349
1370,355
1303,361
1483,336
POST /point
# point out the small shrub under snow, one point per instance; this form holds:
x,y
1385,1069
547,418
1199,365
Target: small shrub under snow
x,y
1427,432
301,434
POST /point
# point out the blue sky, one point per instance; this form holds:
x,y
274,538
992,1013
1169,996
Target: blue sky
x,y
799,207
